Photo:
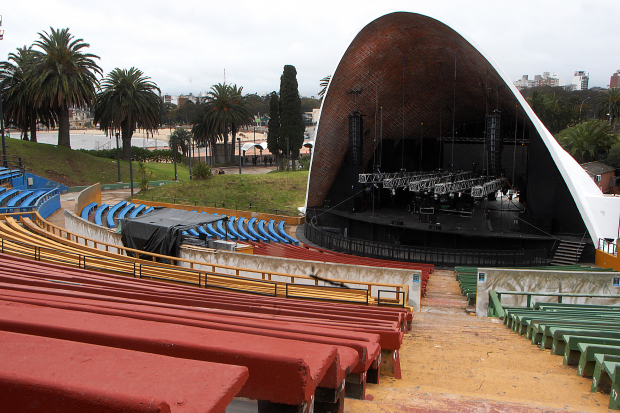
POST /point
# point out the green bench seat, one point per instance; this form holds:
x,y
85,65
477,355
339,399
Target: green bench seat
x,y
587,362
573,350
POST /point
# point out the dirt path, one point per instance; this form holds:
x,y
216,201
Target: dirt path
x,y
455,362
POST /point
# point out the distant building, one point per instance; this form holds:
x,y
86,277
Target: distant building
x,y
580,81
167,99
603,175
546,79
80,118
614,82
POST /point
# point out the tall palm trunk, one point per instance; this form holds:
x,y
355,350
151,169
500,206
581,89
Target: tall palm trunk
x,y
64,137
226,152
126,134
33,127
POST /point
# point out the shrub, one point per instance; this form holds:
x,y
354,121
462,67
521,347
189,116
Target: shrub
x,y
201,171
145,176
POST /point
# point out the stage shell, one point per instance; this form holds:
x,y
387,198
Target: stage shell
x,y
395,56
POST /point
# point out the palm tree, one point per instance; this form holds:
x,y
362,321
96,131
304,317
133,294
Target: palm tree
x,y
225,112
609,105
127,101
587,140
63,77
18,106
324,83
182,138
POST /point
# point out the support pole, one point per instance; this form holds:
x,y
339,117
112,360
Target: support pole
x,y
118,158
130,168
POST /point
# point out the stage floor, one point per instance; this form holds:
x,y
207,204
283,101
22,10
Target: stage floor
x,y
502,220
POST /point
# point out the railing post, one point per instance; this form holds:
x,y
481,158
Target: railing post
x,y
559,299
529,300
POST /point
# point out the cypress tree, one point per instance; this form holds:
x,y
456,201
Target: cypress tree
x,y
291,118
273,134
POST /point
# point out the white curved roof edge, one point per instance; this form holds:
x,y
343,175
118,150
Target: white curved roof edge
x,y
309,144
249,145
600,213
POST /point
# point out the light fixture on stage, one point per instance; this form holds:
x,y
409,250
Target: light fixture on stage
x,y
394,191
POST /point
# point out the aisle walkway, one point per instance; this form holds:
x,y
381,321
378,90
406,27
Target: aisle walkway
x,y
455,362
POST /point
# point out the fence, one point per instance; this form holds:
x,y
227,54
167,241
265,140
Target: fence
x,y
443,257
224,205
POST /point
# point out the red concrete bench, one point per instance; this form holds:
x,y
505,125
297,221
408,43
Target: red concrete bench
x,y
300,367
366,345
40,374
342,316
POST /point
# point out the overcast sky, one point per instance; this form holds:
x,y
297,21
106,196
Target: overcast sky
x,y
185,46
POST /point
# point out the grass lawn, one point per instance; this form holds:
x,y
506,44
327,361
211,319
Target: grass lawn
x,y
74,168
283,190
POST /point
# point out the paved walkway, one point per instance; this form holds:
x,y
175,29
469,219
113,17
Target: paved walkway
x,y
455,362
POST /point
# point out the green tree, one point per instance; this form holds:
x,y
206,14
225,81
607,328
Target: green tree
x,y
182,138
613,156
587,141
291,119
224,113
128,101
17,104
257,104
555,113
609,105
324,84
273,134
63,77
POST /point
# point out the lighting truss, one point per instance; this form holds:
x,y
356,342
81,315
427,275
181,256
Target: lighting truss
x,y
481,191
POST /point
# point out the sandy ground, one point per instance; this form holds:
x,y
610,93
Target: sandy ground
x,y
455,362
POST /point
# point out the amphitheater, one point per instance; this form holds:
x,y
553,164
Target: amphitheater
x,y
118,305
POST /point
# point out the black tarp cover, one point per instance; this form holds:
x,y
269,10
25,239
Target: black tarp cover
x,y
161,230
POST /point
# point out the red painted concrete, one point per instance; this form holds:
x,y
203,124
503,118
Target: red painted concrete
x,y
367,351
389,332
167,290
269,305
281,371
43,374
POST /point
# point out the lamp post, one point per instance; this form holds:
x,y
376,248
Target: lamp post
x,y
239,140
130,168
118,158
174,142
4,163
581,106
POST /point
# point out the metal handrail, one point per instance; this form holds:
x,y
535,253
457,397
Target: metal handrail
x,y
608,246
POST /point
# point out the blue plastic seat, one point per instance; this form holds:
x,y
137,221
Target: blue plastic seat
x,y
32,199
149,209
283,234
263,232
136,211
242,230
202,231
193,232
7,195
220,228
231,229
214,232
13,201
112,211
272,231
124,211
99,213
88,209
253,231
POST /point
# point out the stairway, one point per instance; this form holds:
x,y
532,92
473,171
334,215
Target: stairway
x,y
568,252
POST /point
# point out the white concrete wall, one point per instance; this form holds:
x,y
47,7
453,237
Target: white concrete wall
x,y
88,229
501,279
79,226
320,269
